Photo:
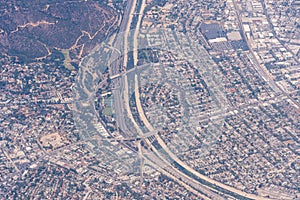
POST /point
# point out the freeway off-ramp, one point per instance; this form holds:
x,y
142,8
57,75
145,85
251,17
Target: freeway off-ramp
x,y
156,158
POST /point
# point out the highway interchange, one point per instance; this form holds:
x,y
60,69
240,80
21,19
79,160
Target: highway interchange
x,y
157,155
154,151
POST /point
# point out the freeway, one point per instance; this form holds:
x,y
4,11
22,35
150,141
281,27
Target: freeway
x,y
160,158
187,169
121,37
257,66
221,187
185,175
119,108
263,74
261,71
128,10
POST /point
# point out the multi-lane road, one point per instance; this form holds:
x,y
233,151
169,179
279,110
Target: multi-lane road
x,y
261,70
160,158
117,64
